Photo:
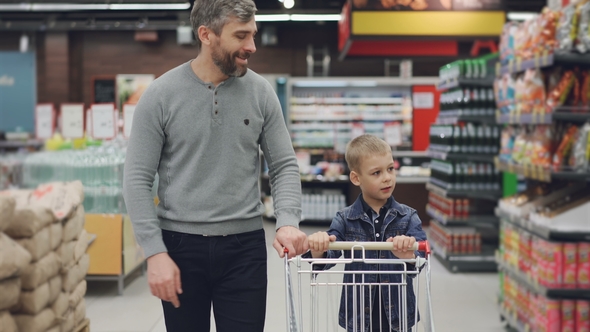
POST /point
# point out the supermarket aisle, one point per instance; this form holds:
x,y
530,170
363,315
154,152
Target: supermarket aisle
x,y
461,302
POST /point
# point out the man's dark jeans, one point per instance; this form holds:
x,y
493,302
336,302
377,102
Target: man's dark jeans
x,y
226,271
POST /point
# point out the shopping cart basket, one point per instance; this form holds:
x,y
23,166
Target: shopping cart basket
x,y
320,312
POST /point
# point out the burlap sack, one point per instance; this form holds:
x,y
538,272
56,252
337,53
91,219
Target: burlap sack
x,y
56,231
66,253
68,323
7,323
35,323
37,273
54,288
28,221
32,302
81,245
56,328
74,225
9,293
80,312
59,197
60,306
13,257
74,275
7,205
39,245
77,294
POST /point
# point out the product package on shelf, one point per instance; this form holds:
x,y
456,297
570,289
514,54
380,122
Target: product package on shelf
x,y
460,208
455,240
535,312
467,138
465,175
48,222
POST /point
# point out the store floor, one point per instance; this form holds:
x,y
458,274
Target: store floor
x,y
462,302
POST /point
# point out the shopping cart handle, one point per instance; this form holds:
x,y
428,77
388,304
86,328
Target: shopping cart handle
x,y
348,245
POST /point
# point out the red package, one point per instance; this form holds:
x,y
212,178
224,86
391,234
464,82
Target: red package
x,y
568,316
583,268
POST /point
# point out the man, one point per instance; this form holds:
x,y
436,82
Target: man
x,y
200,127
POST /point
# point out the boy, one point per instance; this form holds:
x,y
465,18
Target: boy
x,y
374,216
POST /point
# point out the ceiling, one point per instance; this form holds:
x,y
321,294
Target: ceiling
x,y
159,19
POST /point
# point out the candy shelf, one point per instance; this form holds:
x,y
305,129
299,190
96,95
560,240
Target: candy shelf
x,y
540,173
541,231
564,113
543,60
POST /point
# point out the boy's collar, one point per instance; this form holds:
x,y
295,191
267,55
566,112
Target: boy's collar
x,y
369,210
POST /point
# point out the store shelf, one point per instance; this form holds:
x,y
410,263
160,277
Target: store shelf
x,y
540,173
342,100
541,231
492,195
452,118
563,113
484,261
456,82
541,61
471,220
438,152
21,144
533,285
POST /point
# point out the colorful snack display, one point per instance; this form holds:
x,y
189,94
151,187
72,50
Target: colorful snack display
x,y
568,84
567,28
564,149
542,148
583,34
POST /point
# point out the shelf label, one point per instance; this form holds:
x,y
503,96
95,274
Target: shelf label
x,y
72,120
103,121
128,111
44,121
423,100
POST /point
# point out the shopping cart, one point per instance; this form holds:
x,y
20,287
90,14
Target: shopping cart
x,y
323,310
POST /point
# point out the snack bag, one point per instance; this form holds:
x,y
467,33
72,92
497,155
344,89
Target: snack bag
x,y
567,29
564,149
542,146
567,88
583,33
534,90
507,144
519,149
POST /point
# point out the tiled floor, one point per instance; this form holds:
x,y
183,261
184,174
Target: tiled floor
x,y
461,302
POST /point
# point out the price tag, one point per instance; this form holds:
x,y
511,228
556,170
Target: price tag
x,y
393,133
44,121
534,172
423,100
128,111
526,169
72,120
542,116
103,121
537,60
545,58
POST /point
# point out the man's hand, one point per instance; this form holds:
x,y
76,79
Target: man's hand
x,y
164,278
402,246
291,238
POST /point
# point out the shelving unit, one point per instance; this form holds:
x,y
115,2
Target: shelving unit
x,y
478,113
525,228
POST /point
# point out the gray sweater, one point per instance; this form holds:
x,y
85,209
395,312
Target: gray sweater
x,y
203,141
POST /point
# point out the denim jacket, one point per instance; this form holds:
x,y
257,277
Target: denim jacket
x,y
353,224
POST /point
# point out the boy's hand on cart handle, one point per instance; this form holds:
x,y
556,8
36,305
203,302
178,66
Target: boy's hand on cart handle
x,y
292,239
319,242
164,278
403,246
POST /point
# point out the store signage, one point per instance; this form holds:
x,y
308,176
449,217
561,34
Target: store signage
x,y
18,96
128,111
72,120
103,121
103,89
423,100
44,121
426,5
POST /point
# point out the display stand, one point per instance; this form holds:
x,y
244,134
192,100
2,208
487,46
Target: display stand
x,y
114,254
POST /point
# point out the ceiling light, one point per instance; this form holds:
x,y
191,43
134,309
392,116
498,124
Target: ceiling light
x,y
74,7
289,3
315,17
272,17
521,16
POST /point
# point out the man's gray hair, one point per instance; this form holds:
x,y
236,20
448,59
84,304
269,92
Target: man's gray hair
x,y
214,14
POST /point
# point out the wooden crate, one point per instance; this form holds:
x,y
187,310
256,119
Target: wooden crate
x,y
84,326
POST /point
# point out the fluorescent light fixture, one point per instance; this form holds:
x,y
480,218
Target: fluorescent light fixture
x,y
521,16
272,17
151,6
315,17
320,84
22,7
363,83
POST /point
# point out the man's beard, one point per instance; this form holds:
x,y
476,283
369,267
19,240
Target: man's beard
x,y
226,62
